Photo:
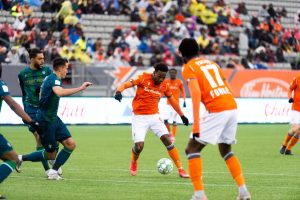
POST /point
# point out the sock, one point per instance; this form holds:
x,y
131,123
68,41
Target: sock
x,y
44,162
134,155
243,189
195,171
293,142
168,127
287,139
235,169
61,158
5,169
36,156
173,153
174,130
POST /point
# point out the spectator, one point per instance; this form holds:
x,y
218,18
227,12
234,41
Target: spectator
x,y
19,23
65,10
43,24
42,40
16,9
29,23
297,18
279,55
133,41
263,12
13,56
3,52
46,6
4,38
271,11
27,10
169,59
241,9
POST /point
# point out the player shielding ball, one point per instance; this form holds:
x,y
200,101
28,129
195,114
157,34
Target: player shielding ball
x,y
150,88
218,125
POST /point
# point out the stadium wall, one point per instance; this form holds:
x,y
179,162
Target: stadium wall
x,y
97,110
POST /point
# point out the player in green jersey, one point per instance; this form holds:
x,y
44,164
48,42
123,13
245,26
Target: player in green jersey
x,y
53,129
7,154
30,80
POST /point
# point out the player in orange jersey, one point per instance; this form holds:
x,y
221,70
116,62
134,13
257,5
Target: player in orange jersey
x,y
176,87
150,88
218,125
293,135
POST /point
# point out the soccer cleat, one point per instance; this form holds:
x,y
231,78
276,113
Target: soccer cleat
x,y
245,196
194,197
288,152
51,162
282,149
182,173
2,197
133,167
18,166
53,175
59,171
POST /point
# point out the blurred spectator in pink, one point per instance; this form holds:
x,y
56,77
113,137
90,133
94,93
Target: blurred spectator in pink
x,y
168,59
8,29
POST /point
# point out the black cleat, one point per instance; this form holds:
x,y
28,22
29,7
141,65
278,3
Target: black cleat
x,y
288,152
2,197
282,149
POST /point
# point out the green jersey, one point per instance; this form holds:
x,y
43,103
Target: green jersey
x,y
30,82
49,101
3,91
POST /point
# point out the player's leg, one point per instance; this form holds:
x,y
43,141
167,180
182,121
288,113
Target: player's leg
x,y
9,156
160,130
225,140
174,125
140,126
39,147
293,139
195,167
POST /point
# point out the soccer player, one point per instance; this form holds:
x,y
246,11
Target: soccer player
x,y
218,125
176,87
7,154
30,80
150,88
54,130
293,134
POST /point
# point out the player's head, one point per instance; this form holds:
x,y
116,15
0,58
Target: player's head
x,y
60,66
173,73
36,57
188,48
160,73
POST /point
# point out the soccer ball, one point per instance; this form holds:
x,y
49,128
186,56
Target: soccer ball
x,y
164,166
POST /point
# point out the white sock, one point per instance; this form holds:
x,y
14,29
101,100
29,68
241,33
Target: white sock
x,y
243,189
199,193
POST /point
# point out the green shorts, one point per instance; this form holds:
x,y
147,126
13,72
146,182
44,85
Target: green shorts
x,y
53,132
31,111
5,146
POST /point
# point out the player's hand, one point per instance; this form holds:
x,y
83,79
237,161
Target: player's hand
x,y
118,96
195,135
184,104
184,120
36,127
85,85
291,100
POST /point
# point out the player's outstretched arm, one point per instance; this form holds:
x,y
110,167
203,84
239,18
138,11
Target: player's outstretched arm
x,y
196,99
174,103
118,95
16,108
62,92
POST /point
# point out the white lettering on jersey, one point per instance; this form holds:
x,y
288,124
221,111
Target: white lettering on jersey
x,y
219,91
5,88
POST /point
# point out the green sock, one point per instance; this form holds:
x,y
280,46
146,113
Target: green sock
x,y
44,162
62,157
5,169
36,156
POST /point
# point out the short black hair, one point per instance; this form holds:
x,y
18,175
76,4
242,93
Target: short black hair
x,y
173,69
188,48
58,62
161,67
33,52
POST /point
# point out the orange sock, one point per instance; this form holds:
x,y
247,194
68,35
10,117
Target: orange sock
x,y
287,139
235,169
173,153
134,156
195,171
292,143
174,130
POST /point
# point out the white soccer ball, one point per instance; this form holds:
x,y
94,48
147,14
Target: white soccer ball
x,y
164,166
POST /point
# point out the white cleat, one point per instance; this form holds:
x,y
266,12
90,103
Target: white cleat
x,y
53,175
245,196
59,171
194,197
18,165
51,162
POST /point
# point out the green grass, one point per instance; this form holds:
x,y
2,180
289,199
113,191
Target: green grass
x,y
98,168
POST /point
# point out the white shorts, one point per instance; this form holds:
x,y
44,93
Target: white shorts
x,y
218,127
142,123
295,117
169,114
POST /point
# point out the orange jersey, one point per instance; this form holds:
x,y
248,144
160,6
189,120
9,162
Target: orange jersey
x,y
295,87
215,92
148,94
176,86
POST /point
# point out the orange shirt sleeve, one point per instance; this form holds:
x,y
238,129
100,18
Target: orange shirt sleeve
x,y
128,84
196,99
293,86
174,103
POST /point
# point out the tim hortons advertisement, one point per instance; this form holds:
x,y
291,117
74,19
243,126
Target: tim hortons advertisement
x,y
96,110
244,83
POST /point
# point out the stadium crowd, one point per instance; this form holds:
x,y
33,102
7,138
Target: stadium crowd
x,y
261,42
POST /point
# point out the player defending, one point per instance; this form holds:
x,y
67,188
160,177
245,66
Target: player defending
x,y
218,126
54,130
150,88
176,86
30,80
293,135
7,154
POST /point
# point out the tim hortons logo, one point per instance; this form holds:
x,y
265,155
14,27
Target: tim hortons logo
x,y
265,88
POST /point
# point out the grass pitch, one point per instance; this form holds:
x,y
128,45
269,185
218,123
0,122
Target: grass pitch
x,y
98,168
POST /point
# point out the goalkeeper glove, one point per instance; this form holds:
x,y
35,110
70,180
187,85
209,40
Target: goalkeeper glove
x,y
184,120
118,96
36,127
291,100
